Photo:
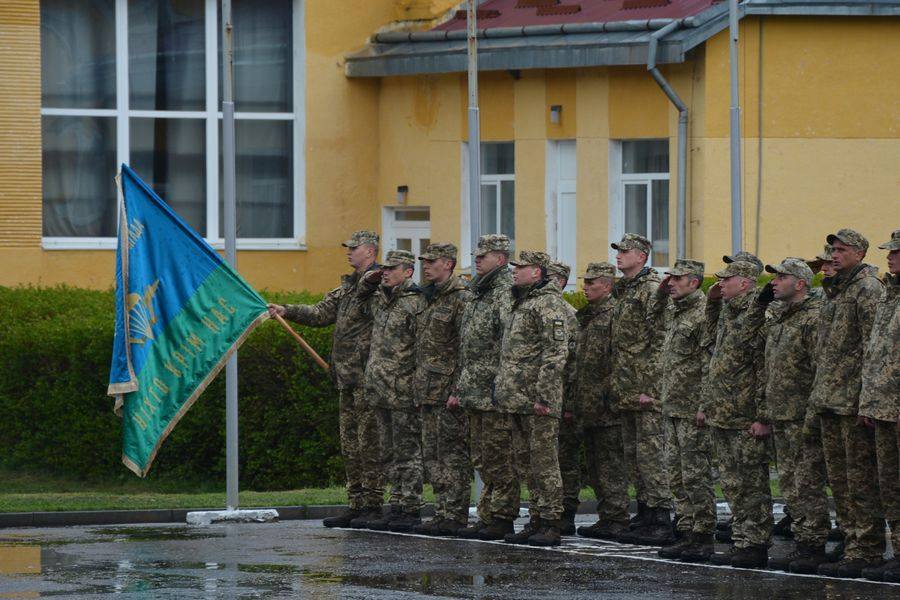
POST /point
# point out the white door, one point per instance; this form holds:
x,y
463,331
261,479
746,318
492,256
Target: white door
x,y
562,218
406,228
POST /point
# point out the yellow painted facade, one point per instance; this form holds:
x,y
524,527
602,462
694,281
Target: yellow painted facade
x,y
820,118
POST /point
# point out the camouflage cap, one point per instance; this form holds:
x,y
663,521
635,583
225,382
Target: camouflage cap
x,y
399,257
827,253
434,251
559,269
746,257
793,266
532,257
849,237
599,269
741,268
633,240
686,266
361,237
492,242
893,243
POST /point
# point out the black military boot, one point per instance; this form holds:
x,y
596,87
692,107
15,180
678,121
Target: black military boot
x,y
675,550
471,532
703,546
365,517
449,528
568,522
721,558
497,531
657,531
405,522
343,519
385,521
755,556
807,560
531,528
548,535
603,530
782,528
428,527
836,553
638,519
891,571
783,562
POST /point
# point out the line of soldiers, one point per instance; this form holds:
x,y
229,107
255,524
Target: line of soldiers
x,y
652,379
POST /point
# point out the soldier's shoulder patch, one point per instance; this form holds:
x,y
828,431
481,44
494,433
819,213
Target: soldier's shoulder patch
x,y
559,329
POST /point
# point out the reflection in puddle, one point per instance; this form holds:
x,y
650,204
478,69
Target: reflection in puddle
x,y
157,534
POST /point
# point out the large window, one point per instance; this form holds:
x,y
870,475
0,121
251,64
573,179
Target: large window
x,y
139,82
498,189
640,194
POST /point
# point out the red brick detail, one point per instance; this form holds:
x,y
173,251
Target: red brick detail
x,y
562,9
633,4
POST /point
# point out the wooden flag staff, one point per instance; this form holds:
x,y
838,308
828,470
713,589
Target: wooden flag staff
x,y
315,356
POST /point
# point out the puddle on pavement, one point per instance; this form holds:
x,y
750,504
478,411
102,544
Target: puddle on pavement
x,y
411,582
157,534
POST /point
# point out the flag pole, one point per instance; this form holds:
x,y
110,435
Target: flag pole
x,y
303,344
737,233
230,234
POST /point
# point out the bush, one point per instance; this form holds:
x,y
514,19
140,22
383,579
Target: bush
x,y
55,350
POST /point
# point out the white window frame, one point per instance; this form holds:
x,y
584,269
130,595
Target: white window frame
x,y
554,189
465,243
211,115
617,182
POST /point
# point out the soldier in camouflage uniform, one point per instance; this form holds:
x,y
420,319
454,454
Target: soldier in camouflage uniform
x,y
569,427
445,427
729,403
490,430
679,309
529,385
601,427
636,344
348,308
846,323
790,365
879,403
389,384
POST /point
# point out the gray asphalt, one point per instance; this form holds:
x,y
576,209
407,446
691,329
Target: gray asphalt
x,y
302,559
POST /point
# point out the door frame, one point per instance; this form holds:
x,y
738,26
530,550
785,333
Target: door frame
x,y
392,229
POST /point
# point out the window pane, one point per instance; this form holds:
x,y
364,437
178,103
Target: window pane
x,y
263,43
78,54
415,214
508,208
645,156
79,167
489,208
170,155
636,208
660,223
264,179
404,244
166,54
498,159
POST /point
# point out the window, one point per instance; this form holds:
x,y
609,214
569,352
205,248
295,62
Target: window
x,y
639,193
498,189
139,82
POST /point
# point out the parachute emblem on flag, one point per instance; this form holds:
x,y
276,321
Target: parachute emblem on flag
x,y
142,314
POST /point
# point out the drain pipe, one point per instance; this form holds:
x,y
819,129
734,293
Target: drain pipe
x,y
682,131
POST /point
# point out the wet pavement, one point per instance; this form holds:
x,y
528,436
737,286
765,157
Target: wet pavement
x,y
302,559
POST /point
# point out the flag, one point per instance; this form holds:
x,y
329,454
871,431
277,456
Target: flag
x,y
180,312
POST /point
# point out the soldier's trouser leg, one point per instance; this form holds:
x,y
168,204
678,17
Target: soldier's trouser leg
x,y
887,448
384,418
453,477
744,476
498,471
570,464
372,475
545,481
521,458
651,459
852,472
349,413
629,442
429,416
689,457
801,476
476,441
604,456
407,439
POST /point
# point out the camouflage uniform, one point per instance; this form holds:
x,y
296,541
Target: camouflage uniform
x,y
790,365
389,379
491,431
880,395
569,429
600,421
533,356
689,447
844,328
636,344
730,390
349,309
445,432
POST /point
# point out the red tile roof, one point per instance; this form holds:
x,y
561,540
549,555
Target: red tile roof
x,y
521,13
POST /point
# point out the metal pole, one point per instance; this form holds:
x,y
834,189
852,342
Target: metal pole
x,y
474,154
737,233
231,368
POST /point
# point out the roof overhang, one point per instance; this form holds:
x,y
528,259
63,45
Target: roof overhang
x,y
575,45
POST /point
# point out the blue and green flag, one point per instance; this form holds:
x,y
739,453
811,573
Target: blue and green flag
x,y
180,313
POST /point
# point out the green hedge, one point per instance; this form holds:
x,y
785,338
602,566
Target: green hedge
x,y
55,348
